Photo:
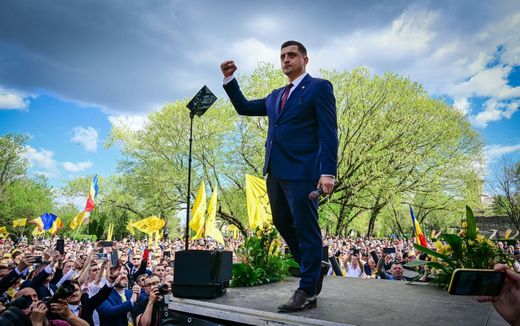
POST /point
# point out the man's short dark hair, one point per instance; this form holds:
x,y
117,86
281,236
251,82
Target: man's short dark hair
x,y
300,46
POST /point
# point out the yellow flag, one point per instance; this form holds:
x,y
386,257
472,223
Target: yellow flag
x,y
198,211
211,223
149,225
3,230
19,222
508,233
258,207
130,228
37,231
234,229
110,231
78,220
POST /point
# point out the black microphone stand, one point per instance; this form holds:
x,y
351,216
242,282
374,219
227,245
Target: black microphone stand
x,y
187,233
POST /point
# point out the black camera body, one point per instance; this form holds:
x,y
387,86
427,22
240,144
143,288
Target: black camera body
x,y
163,289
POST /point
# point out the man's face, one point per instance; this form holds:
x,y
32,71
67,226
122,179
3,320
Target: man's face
x,y
136,260
397,271
159,270
123,282
68,265
75,297
150,282
292,61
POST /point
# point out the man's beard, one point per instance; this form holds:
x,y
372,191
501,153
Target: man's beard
x,y
120,285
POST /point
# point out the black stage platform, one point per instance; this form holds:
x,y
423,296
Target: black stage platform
x,y
345,301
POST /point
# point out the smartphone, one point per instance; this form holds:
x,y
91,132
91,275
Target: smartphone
x,y
102,256
107,243
114,257
60,246
389,250
38,259
476,282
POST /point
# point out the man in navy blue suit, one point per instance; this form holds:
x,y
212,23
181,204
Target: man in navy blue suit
x,y
300,156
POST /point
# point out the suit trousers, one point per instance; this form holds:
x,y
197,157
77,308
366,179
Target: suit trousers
x,y
296,218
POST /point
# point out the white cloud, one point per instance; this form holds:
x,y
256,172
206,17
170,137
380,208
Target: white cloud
x,y
490,83
77,167
462,104
42,161
493,152
88,137
129,122
495,111
11,101
248,52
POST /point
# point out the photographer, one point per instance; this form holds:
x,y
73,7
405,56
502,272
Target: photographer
x,y
146,311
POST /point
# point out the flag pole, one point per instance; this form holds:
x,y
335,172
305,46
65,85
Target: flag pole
x,y
79,226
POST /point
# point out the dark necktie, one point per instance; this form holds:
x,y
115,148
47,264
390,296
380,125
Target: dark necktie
x,y
285,95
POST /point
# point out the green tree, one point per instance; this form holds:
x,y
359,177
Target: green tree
x,y
13,166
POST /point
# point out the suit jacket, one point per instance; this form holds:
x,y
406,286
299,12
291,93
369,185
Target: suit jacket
x,y
302,139
113,311
37,284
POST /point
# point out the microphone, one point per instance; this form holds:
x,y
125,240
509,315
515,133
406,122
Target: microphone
x,y
313,195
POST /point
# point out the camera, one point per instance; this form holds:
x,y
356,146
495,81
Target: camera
x,y
63,292
163,289
22,302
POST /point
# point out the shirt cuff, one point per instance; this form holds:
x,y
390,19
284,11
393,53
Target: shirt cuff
x,y
48,269
228,79
328,175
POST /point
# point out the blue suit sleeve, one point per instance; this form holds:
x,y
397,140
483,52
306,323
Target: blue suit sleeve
x,y
241,104
328,128
107,310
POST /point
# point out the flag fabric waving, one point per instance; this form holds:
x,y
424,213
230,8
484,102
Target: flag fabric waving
x,y
149,225
198,211
234,229
92,194
79,219
44,222
19,222
56,226
419,236
258,207
211,223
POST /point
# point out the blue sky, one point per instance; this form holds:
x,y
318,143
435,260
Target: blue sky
x,y
71,70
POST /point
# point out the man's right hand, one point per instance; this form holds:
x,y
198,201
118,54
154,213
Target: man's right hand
x,y
228,68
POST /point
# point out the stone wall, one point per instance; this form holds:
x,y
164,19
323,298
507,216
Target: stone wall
x,y
487,224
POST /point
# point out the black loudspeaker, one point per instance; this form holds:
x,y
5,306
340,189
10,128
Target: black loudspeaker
x,y
202,274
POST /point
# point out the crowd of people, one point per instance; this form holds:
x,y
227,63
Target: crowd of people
x,y
83,285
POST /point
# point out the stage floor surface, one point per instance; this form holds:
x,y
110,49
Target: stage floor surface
x,y
345,301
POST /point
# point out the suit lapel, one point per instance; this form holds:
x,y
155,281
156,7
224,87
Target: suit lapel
x,y
295,95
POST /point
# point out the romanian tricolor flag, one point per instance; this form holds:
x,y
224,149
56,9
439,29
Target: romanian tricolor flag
x,y
92,194
56,226
44,222
419,236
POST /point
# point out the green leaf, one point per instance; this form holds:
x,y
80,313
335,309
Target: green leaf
x,y
472,224
415,263
436,265
434,254
455,243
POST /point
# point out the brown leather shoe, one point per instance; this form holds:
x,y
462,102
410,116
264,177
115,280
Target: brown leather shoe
x,y
325,265
299,301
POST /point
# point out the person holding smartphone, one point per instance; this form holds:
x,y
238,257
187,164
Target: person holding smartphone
x,y
507,303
